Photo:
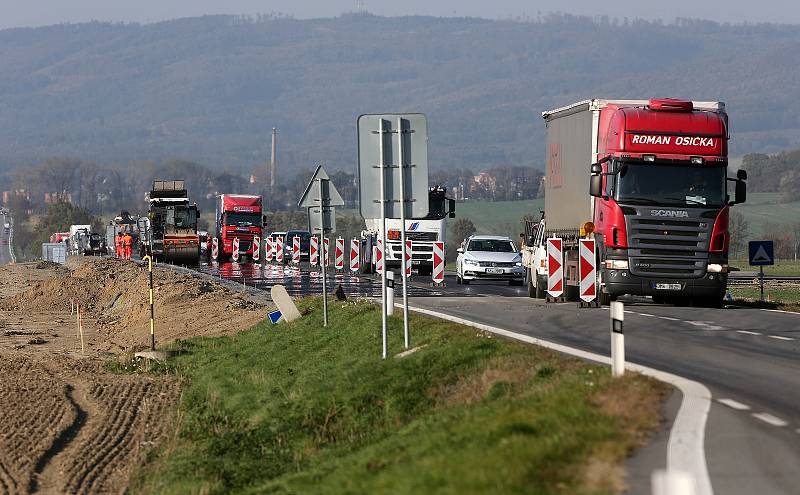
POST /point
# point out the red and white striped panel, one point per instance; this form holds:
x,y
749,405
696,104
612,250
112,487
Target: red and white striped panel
x,y
279,249
270,250
313,251
587,270
339,258
235,249
256,248
327,252
379,257
215,248
555,267
296,250
408,258
438,262
355,247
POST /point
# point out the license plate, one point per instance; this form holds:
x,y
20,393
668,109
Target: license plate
x,y
668,286
416,262
495,271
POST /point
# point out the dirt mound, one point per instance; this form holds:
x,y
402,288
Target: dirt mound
x,y
115,294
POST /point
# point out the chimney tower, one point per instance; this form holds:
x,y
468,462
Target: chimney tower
x,y
273,172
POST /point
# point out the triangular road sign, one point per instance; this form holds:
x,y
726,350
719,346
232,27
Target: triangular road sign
x,y
761,255
311,196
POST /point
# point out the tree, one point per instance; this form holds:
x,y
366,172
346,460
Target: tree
x,y
740,232
462,228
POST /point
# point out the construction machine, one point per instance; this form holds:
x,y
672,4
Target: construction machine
x,y
173,223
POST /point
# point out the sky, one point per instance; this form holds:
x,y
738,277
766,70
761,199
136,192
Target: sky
x,y
22,13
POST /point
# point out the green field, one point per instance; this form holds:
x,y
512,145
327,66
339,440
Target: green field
x,y
768,208
499,218
300,408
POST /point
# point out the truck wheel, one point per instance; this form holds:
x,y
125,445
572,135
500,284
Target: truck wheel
x,y
516,283
541,283
604,298
425,270
531,286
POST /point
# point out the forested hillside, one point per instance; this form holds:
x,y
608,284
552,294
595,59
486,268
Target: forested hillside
x,y
210,89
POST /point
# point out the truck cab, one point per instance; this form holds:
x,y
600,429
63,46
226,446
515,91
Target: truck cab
x,y
238,216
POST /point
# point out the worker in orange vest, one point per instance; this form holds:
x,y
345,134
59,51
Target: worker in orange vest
x,y
118,245
127,243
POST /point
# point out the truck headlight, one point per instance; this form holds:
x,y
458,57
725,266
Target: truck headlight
x,y
717,268
617,264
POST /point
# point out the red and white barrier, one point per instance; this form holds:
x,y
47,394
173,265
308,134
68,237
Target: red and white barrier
x,y
256,248
438,262
355,246
587,270
214,248
270,253
296,250
338,260
408,258
327,252
279,249
555,267
235,250
313,250
379,257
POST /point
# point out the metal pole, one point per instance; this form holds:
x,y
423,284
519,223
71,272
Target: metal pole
x,y
322,253
761,282
152,311
401,168
382,185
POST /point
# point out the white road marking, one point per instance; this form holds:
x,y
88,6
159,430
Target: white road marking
x,y
645,314
747,332
686,445
734,404
780,337
770,419
669,318
780,311
704,325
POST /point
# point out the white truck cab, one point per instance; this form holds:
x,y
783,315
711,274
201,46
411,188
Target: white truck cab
x,y
534,258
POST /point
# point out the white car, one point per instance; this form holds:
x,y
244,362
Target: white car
x,y
489,257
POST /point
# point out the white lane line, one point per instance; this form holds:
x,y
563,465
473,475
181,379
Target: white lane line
x,y
645,314
669,318
734,404
770,419
780,337
780,311
747,332
686,445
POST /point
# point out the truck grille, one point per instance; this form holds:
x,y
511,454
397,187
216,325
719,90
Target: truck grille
x,y
668,247
421,236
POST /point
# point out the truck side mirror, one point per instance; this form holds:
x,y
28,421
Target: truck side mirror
x,y
740,194
596,169
741,174
452,207
596,185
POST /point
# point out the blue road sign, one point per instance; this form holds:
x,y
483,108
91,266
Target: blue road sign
x,y
762,253
275,316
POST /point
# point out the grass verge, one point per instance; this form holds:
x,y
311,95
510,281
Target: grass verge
x,y
302,409
786,298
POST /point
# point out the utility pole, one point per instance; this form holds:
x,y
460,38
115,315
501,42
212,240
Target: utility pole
x,y
273,163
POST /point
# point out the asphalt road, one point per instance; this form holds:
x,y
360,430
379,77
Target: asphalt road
x,y
5,238
748,358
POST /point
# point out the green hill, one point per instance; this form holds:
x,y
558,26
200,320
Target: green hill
x,y
210,89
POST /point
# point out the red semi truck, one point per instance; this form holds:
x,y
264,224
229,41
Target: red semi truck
x,y
648,180
237,216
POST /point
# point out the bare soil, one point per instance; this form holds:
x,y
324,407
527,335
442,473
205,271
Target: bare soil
x,y
69,425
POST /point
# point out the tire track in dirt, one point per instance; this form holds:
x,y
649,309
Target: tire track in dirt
x,y
46,475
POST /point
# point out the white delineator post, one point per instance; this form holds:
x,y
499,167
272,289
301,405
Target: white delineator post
x,y
378,248
256,248
214,248
437,274
587,271
327,256
313,250
269,254
617,339
296,250
354,253
409,256
389,292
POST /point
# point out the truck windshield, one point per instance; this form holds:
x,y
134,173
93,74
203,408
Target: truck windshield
x,y
671,185
185,217
490,246
242,219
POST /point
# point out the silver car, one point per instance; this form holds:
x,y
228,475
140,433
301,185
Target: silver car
x,y
489,257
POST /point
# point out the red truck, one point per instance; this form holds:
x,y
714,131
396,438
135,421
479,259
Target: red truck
x,y
648,180
237,216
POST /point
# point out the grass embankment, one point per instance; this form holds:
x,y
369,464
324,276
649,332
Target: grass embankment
x,y
781,268
786,298
302,409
